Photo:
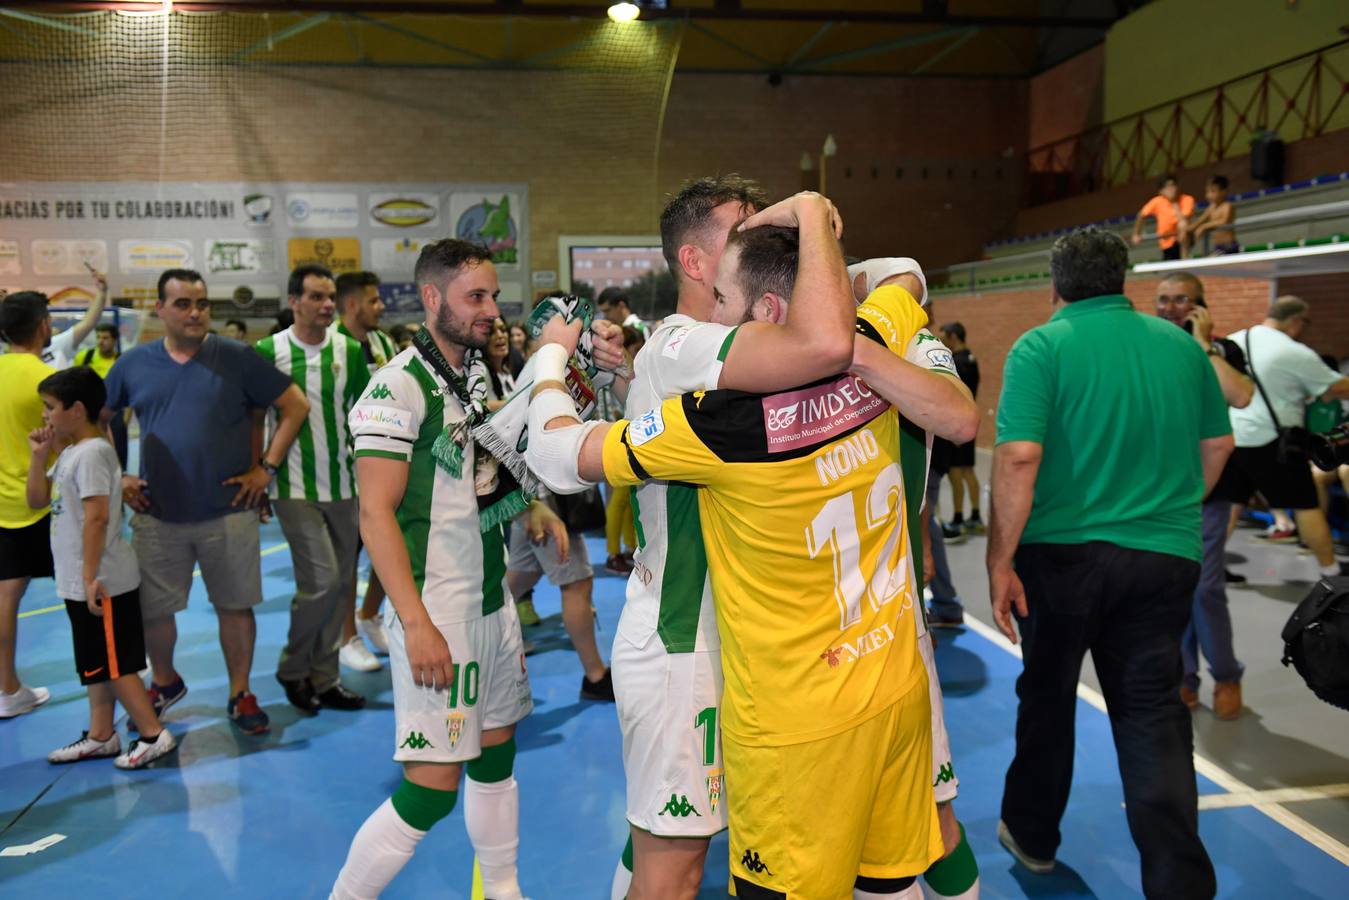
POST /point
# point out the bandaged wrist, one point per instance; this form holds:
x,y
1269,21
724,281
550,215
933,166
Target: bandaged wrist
x,y
878,270
550,363
550,401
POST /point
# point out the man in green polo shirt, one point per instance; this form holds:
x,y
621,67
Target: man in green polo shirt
x,y
1111,430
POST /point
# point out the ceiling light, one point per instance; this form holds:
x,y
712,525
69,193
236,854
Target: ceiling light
x,y
624,12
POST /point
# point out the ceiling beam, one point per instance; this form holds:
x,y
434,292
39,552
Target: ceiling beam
x,y
726,11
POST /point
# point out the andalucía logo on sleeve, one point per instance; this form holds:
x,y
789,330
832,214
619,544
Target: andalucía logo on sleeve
x,y
714,788
454,724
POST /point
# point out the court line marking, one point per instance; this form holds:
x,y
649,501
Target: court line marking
x,y
1274,795
196,573
1205,767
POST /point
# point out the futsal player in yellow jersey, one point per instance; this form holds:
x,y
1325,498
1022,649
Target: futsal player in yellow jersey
x,y
826,731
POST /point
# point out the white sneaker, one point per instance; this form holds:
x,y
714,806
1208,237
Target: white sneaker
x,y
24,700
142,752
354,656
372,629
86,748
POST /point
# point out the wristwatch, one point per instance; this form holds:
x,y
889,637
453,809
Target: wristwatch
x,y
267,467
1215,350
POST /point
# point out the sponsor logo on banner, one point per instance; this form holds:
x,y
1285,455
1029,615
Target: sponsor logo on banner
x,y
258,209
154,255
67,295
68,257
341,254
454,725
9,258
395,254
323,210
490,221
239,255
404,210
817,414
400,297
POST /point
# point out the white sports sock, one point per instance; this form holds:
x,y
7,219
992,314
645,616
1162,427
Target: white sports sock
x,y
622,881
912,892
492,816
378,853
971,893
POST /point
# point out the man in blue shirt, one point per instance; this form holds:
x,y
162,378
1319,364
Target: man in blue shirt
x,y
195,499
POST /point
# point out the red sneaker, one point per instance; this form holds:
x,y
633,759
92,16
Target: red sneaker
x,y
244,712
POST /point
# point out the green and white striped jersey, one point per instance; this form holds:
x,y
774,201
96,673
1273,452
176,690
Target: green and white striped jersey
x,y
318,467
459,569
382,347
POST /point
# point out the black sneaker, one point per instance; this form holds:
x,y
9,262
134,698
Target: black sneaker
x,y
602,690
301,695
952,534
162,697
339,697
935,620
1233,577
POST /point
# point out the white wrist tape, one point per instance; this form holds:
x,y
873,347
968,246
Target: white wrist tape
x,y
550,363
877,270
554,455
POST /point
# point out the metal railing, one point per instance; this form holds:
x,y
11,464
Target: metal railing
x,y
1299,98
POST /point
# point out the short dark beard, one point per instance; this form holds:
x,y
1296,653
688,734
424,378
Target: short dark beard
x,y
451,330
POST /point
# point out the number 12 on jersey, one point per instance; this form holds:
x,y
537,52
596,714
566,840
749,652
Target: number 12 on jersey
x,y
835,530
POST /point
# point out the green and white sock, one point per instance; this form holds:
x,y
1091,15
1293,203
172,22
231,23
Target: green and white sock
x,y
956,877
622,874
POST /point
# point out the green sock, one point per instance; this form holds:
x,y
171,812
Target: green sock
x,y
422,807
495,763
956,874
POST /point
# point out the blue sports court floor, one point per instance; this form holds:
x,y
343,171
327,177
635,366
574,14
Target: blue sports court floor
x,y
234,816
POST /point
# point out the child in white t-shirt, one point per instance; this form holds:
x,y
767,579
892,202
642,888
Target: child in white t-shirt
x,y
96,571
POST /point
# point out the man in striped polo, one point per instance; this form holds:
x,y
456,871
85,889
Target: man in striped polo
x,y
314,492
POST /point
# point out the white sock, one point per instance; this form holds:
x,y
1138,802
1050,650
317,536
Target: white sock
x,y
378,853
492,816
970,893
1331,570
622,881
912,892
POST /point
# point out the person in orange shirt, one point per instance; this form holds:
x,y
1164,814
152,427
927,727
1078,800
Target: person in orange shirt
x,y
1172,210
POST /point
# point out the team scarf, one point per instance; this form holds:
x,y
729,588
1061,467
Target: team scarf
x,y
502,480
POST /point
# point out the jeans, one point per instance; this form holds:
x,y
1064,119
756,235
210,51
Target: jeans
x,y
1129,608
945,601
1210,627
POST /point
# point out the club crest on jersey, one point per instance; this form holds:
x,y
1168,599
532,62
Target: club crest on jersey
x,y
454,726
714,788
649,425
852,651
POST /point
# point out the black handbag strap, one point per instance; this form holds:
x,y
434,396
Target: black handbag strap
x,y
1250,365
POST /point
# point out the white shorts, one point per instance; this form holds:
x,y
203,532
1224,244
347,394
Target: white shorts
x,y
669,714
945,785
490,690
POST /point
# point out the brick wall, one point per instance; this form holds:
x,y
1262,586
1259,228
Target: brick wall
x,y
1066,100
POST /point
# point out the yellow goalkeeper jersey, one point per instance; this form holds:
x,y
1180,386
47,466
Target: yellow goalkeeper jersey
x,y
802,512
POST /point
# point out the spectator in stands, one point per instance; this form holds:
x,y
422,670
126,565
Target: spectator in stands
x,y
1180,301
1098,475
100,358
25,533
1172,210
521,348
963,477
361,308
501,380
236,330
613,305
314,492
1218,218
1287,374
193,395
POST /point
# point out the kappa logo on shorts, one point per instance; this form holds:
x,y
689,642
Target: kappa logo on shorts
x,y
454,725
680,807
752,863
415,741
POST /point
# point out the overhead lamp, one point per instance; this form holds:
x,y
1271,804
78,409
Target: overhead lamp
x,y
624,12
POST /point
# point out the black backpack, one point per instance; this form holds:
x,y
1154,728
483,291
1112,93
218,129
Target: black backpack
x,y
1316,640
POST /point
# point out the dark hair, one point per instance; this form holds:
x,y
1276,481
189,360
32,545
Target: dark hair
x,y
79,384
398,332
954,328
1219,181
353,283
284,320
237,323
1167,179
632,337
106,328
1088,262
1287,307
612,296
438,260
295,284
688,214
20,315
190,276
768,259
